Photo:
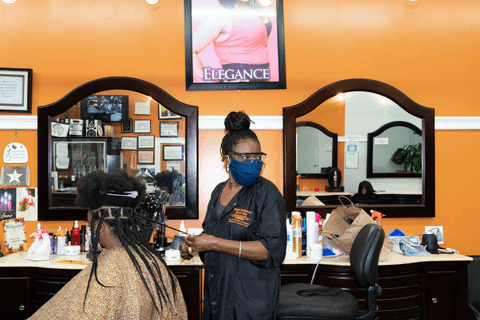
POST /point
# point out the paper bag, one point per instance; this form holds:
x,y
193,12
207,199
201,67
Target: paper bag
x,y
312,201
40,249
341,233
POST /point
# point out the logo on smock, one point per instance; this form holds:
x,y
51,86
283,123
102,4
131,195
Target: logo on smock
x,y
240,217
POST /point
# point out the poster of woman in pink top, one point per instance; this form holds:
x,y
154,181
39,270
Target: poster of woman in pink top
x,y
235,43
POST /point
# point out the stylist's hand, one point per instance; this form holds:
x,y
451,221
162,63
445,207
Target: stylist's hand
x,y
201,243
184,252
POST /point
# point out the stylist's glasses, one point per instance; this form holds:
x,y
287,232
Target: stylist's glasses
x,y
250,156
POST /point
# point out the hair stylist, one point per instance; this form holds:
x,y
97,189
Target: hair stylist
x,y
244,241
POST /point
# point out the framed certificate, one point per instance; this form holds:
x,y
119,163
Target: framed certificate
x,y
146,142
169,129
16,90
172,152
164,113
142,108
146,157
142,126
129,143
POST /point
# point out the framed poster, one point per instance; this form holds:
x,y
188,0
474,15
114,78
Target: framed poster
x,y
146,157
168,129
226,60
146,142
142,126
172,152
129,143
164,113
16,90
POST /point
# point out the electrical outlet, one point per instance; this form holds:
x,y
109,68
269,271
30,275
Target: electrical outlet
x,y
440,241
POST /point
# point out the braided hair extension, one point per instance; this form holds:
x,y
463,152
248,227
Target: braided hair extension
x,y
238,126
126,227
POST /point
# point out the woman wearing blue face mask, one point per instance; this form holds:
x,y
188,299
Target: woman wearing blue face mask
x,y
244,239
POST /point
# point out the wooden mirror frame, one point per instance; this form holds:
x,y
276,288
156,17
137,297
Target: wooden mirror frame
x,y
45,212
328,133
372,135
290,114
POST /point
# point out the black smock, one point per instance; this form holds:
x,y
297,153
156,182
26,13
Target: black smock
x,y
237,288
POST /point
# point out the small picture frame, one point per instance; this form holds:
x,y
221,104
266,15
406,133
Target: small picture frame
x,y
168,129
16,90
59,129
164,113
127,126
146,157
146,142
173,152
142,126
129,143
142,108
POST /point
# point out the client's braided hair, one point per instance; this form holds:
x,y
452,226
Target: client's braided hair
x,y
99,192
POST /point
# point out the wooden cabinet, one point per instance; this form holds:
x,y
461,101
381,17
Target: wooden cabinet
x,y
423,290
15,295
24,290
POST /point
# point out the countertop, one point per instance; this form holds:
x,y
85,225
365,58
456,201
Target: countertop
x,y
393,259
18,260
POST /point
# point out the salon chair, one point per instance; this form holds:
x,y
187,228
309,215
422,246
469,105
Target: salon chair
x,y
473,270
310,301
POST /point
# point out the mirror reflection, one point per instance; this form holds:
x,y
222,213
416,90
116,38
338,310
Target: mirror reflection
x,y
316,149
118,129
394,150
355,109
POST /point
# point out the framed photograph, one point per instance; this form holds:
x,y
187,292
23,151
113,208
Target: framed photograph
x,y
172,152
16,90
146,142
261,66
129,143
127,126
146,157
142,108
142,126
169,129
164,113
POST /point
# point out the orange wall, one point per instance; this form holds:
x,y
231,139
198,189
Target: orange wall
x,y
427,49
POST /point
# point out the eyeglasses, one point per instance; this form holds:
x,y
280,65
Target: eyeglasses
x,y
260,156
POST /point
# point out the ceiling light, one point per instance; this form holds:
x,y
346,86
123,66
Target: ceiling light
x,y
9,1
266,3
151,1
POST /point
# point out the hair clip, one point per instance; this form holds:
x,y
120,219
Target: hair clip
x,y
129,194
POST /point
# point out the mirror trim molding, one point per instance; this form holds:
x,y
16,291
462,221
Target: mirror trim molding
x,y
328,133
45,212
290,114
372,135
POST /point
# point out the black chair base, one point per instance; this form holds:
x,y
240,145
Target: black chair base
x,y
315,300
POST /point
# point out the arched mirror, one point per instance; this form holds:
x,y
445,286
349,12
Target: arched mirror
x,y
353,108
394,151
112,123
316,150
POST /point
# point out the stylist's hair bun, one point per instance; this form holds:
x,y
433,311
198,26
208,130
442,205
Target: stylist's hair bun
x,y
237,121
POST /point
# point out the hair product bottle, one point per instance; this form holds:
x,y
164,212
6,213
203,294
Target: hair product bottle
x,y
76,234
297,233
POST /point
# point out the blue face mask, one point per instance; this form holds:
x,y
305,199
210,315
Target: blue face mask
x,y
245,172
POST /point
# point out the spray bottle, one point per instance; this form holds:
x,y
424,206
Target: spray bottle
x,y
289,237
377,216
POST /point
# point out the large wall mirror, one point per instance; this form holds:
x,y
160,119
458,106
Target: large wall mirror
x,y
113,123
354,109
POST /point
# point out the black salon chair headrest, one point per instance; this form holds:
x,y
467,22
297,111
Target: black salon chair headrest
x,y
365,253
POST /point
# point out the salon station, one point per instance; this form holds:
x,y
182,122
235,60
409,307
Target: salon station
x,y
373,106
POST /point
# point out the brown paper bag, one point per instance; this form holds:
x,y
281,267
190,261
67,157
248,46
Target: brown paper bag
x,y
312,201
341,233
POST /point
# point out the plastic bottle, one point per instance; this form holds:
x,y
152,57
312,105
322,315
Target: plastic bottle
x,y
39,226
68,238
76,234
87,239
83,231
297,233
183,231
289,237
320,230
52,240
377,216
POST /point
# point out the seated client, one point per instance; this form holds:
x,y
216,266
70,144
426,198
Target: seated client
x,y
128,279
